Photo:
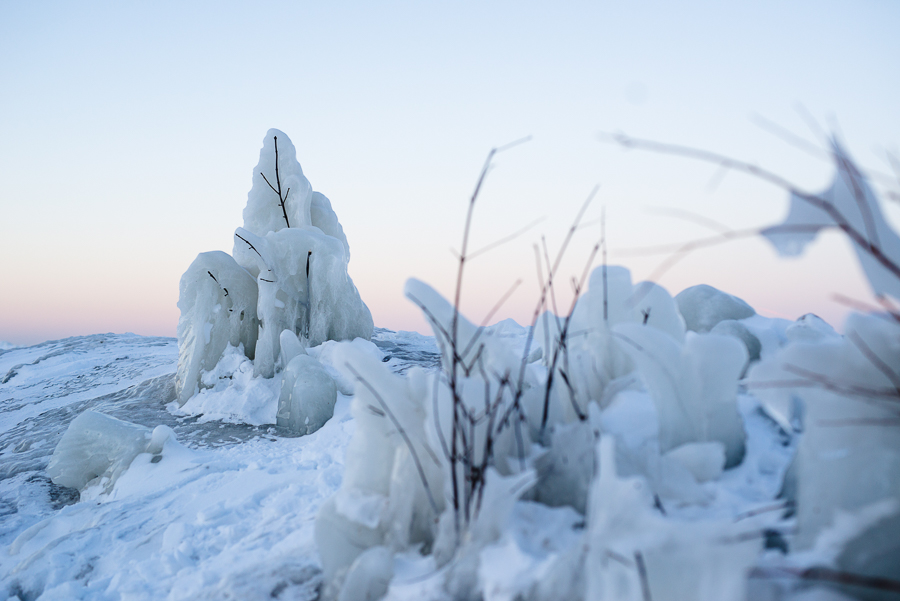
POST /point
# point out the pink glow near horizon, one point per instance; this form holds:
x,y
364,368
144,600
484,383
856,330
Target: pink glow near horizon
x,y
128,156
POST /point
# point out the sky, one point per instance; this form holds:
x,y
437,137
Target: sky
x,y
129,132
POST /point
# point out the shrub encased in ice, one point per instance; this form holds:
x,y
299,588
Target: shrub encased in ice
x,y
289,272
634,553
302,205
308,395
99,447
303,287
594,361
383,499
217,299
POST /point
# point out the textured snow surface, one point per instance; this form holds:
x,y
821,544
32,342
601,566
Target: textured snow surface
x,y
226,510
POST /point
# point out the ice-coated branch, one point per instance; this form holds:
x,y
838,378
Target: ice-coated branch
x,y
253,248
875,360
562,345
453,340
868,244
281,199
217,282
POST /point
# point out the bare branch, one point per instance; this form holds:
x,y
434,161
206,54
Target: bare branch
x,y
840,221
253,248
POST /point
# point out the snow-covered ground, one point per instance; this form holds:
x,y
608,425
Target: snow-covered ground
x,y
227,513
229,510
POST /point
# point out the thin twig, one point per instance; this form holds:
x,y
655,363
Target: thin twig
x,y
503,241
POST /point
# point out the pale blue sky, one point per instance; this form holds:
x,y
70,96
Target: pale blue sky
x,y
129,132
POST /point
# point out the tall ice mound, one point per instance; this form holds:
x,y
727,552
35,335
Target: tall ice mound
x,y
288,272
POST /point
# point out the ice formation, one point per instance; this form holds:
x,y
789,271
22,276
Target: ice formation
x,y
703,306
596,365
849,454
634,553
840,392
308,394
439,461
218,301
288,273
694,386
97,448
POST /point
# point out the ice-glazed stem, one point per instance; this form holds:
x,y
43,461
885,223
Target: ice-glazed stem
x,y
281,199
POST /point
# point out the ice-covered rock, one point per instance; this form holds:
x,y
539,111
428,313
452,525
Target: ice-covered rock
x,y
308,395
97,448
703,306
217,299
